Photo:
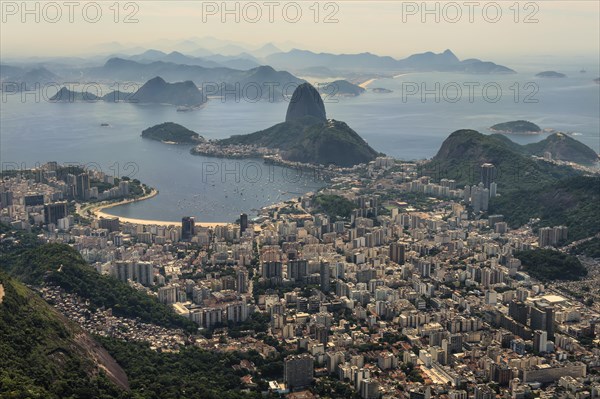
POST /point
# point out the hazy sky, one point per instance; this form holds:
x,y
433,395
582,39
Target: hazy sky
x,y
383,27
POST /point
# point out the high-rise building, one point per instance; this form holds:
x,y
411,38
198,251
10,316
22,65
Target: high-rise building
x,y
538,318
124,188
484,391
550,236
33,200
243,222
488,174
271,271
544,237
518,311
369,388
241,284
540,341
144,273
6,199
167,294
501,227
550,316
111,224
322,334
501,373
187,228
297,269
325,277
397,252
237,312
298,371
493,189
55,211
82,186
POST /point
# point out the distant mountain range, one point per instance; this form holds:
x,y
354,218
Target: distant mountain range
x,y
21,79
242,61
235,65
307,136
263,82
424,62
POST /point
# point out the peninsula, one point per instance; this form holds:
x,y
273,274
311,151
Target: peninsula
x,y
306,136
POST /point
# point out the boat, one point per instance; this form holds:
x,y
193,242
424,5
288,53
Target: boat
x,y
104,124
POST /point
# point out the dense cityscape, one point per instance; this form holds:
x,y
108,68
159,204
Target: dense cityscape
x,y
402,298
299,199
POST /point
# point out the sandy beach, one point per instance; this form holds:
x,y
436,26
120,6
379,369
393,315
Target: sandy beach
x,y
148,222
364,85
97,213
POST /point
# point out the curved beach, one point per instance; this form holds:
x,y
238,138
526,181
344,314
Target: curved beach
x,y
98,212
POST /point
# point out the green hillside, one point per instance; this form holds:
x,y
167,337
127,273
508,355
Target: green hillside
x,y
573,202
45,356
61,265
312,141
172,132
564,148
190,373
551,265
462,153
528,187
518,127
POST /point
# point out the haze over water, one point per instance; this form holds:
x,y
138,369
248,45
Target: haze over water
x,y
406,127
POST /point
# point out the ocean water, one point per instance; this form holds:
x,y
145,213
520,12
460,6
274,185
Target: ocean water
x,y
410,123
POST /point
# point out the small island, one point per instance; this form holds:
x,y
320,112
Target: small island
x,y
185,95
550,74
381,90
340,88
172,133
65,95
516,127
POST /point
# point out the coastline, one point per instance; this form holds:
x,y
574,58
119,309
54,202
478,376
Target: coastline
x,y
97,212
365,84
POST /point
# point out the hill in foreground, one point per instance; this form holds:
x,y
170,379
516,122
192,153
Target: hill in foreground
x,y
528,187
44,355
307,136
62,266
464,151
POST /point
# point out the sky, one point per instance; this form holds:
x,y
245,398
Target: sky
x,y
499,30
